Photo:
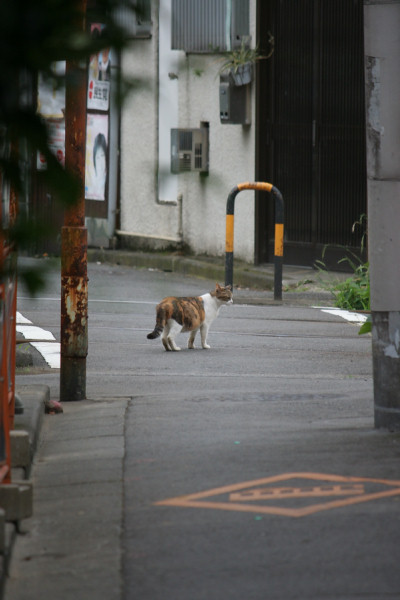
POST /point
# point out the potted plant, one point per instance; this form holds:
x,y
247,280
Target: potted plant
x,y
238,63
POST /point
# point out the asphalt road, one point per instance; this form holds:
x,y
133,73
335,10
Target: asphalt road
x,y
252,470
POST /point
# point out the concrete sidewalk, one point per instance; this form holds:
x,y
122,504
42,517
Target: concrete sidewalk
x,y
72,542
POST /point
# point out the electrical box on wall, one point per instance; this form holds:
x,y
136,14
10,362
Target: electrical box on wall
x,y
189,150
234,102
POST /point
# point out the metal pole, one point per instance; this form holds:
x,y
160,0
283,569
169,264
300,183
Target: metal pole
x,y
74,281
278,252
230,217
279,219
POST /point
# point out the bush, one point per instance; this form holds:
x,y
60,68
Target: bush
x,y
354,292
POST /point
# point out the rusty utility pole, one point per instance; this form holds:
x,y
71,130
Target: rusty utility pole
x,y
74,280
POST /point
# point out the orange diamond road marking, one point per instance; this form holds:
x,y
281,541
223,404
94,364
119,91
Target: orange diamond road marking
x,y
298,495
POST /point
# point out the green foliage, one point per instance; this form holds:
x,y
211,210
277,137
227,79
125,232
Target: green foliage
x,y
244,54
34,35
354,292
366,327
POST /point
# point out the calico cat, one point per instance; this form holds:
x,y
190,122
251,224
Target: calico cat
x,y
174,315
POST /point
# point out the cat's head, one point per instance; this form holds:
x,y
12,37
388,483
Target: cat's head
x,y
223,293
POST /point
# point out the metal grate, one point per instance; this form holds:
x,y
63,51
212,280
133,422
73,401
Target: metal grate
x,y
208,25
198,156
185,140
185,162
318,119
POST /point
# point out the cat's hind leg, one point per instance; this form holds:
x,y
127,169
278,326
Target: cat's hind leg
x,y
191,339
164,337
174,329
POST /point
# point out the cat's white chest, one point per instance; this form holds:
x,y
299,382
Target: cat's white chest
x,y
211,307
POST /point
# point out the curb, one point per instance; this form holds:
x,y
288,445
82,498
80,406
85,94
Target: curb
x,y
253,284
206,268
33,398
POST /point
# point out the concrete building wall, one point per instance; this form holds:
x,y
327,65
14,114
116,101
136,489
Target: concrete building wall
x,y
232,155
140,212
382,51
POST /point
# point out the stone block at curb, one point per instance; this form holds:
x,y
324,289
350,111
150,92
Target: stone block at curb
x,y
20,449
16,499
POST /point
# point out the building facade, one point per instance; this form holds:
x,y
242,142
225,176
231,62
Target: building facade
x,y
188,133
181,90
299,124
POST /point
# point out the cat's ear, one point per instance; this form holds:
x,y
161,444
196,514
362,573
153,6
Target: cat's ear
x,y
218,287
228,287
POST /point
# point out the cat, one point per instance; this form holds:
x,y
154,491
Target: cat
x,y
174,315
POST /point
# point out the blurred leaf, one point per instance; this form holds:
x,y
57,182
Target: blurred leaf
x,y
366,327
34,35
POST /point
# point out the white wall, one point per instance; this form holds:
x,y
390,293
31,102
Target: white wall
x,y
141,212
232,150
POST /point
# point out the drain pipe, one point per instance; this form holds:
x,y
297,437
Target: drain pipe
x,y
180,219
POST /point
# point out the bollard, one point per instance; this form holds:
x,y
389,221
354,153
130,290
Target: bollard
x,y
279,231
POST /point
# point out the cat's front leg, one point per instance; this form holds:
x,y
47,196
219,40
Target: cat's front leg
x,y
203,333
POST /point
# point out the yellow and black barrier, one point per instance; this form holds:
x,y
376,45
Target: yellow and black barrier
x,y
278,253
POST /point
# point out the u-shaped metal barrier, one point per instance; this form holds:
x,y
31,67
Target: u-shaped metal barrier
x,y
279,226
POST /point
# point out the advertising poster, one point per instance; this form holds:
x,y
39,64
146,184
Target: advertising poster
x,y
96,157
56,131
51,93
99,75
51,106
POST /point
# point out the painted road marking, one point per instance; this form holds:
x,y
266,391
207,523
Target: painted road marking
x,y
256,496
353,317
49,348
297,492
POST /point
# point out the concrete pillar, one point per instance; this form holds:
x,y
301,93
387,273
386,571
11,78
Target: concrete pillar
x,y
382,84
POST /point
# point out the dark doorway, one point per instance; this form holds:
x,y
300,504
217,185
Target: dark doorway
x,y
311,127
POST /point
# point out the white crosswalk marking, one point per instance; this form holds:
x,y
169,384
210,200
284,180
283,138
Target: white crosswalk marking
x,y
49,348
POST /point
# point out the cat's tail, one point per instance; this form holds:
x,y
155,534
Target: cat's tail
x,y
160,323
155,333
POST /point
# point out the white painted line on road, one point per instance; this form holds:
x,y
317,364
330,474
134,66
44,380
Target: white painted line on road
x,y
95,300
49,348
35,333
21,319
352,317
50,352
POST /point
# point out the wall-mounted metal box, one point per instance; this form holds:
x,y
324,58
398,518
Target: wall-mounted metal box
x,y
189,150
234,102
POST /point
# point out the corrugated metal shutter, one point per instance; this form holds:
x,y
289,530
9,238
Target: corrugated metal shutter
x,y
292,127
318,120
207,25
